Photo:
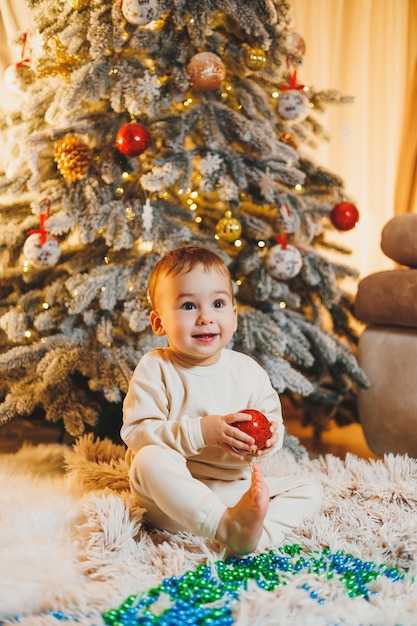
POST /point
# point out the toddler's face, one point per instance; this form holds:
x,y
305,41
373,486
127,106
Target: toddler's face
x,y
195,311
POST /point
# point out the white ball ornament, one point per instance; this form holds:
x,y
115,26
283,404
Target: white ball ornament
x,y
141,12
284,261
41,255
293,106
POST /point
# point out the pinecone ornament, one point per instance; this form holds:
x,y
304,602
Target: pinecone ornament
x,y
73,157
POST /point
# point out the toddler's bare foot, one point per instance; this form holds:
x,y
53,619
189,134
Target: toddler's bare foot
x,y
241,525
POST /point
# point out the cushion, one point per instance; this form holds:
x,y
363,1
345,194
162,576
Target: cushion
x,y
389,298
399,239
388,409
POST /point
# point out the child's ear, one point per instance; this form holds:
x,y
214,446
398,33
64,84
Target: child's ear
x,y
156,323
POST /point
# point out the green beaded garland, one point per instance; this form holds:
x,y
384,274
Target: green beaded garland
x,y
192,594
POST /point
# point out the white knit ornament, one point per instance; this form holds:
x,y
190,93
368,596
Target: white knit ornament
x,y
284,261
17,77
293,106
140,12
41,255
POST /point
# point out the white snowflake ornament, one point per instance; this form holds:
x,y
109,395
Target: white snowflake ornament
x,y
42,254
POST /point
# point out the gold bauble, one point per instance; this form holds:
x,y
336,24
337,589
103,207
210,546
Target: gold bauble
x,y
228,228
288,140
73,157
256,59
79,5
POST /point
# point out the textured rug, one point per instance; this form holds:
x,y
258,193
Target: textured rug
x,y
73,549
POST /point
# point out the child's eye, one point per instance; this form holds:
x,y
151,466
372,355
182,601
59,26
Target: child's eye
x,y
188,306
218,304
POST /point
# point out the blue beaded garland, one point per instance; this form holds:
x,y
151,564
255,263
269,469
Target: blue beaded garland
x,y
189,593
205,596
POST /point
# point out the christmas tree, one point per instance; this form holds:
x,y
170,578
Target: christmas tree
x,y
142,125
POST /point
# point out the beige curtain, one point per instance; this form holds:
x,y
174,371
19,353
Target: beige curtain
x,y
367,49
364,48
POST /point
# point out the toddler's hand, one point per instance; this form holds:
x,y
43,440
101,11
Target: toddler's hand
x,y
218,431
271,441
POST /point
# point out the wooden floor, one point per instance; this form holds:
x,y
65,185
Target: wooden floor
x,y
337,441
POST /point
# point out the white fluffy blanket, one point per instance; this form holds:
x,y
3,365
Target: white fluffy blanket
x,y
72,544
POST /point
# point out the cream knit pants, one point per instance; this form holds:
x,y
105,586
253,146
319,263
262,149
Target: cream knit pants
x,y
176,501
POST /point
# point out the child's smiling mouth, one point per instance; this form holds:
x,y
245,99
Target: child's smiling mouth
x,y
205,337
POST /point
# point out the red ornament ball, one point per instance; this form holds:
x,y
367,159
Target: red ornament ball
x,y
205,71
344,216
259,428
132,139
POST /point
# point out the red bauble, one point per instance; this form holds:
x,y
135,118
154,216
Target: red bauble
x,y
132,139
344,216
259,428
206,71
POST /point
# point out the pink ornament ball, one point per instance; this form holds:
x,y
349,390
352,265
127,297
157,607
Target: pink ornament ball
x,y
205,71
132,139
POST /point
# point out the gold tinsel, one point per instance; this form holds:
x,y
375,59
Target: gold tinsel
x,y
73,157
79,5
65,62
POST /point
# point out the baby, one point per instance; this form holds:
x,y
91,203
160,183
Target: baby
x,y
190,467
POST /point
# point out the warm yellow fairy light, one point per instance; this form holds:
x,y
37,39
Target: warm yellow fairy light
x,y
188,102
193,206
194,194
144,246
198,219
238,282
261,244
106,260
28,334
103,289
45,306
238,243
275,94
298,187
282,305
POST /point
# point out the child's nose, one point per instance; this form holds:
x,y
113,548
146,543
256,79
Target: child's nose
x,y
205,316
